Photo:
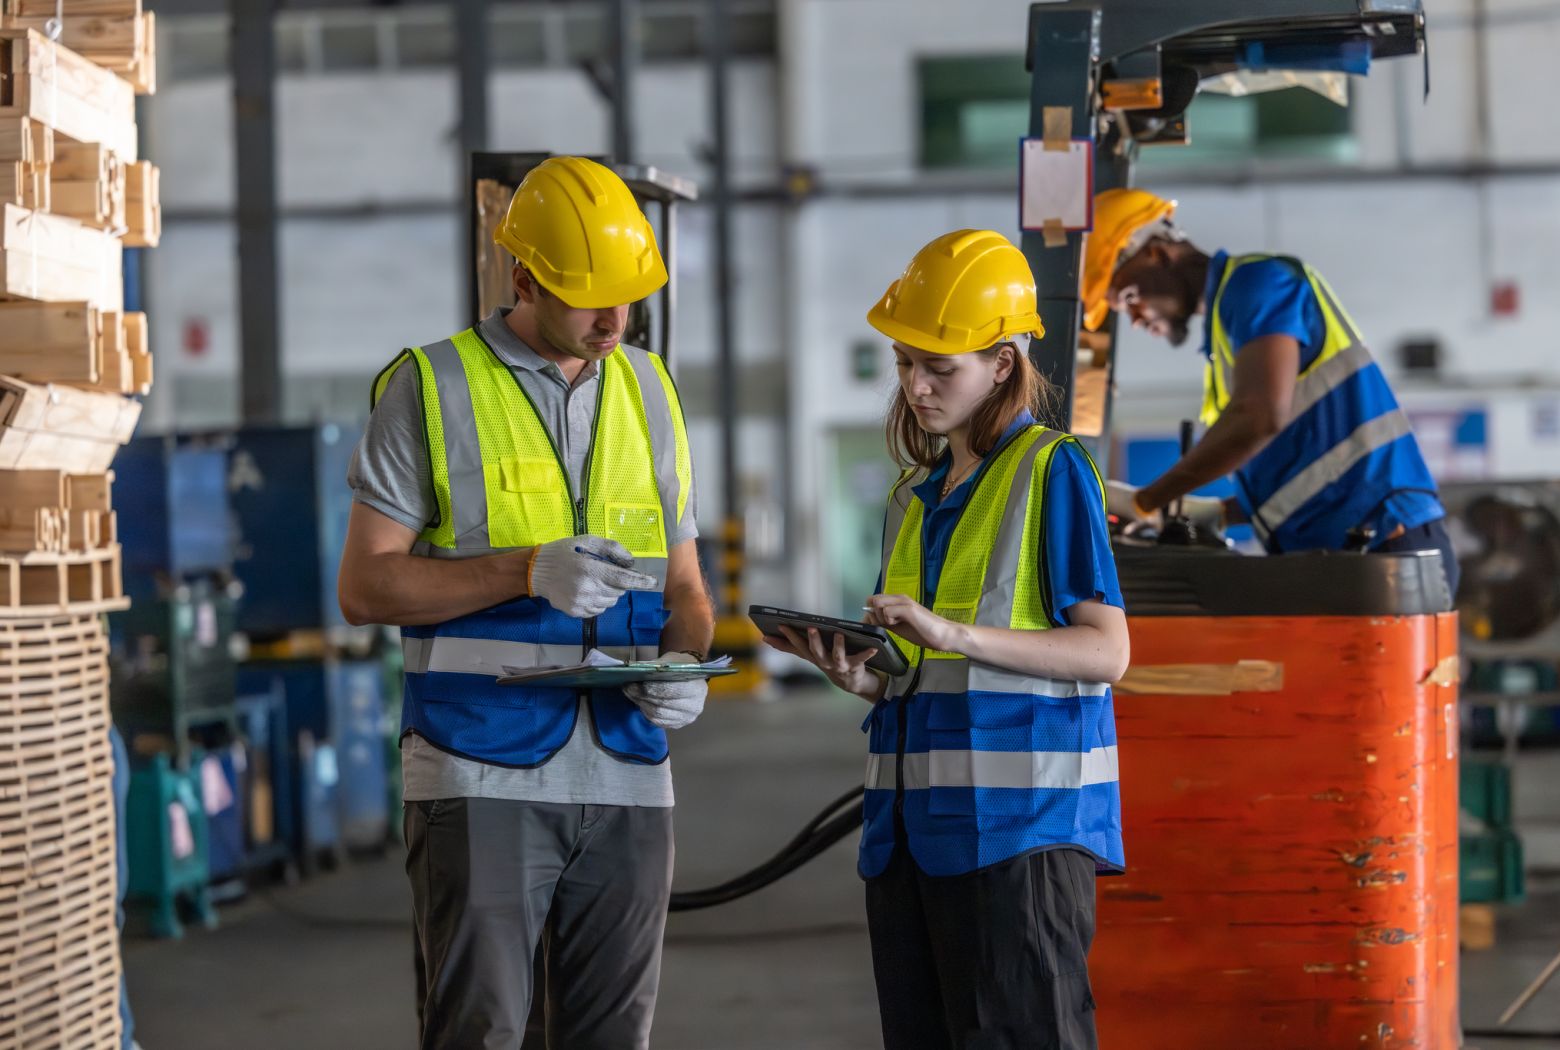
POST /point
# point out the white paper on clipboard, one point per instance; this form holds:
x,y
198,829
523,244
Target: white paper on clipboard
x,y
1056,186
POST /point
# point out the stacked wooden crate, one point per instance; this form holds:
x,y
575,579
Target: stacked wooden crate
x,y
73,193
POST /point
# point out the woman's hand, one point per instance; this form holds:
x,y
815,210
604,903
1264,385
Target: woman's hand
x,y
913,622
848,671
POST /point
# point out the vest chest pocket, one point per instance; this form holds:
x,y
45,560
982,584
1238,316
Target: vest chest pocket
x,y
528,475
637,526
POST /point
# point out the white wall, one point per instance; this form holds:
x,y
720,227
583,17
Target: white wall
x,y
1409,256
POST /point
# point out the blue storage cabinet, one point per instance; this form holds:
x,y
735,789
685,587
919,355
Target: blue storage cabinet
x,y
271,835
290,504
310,766
164,867
336,718
172,503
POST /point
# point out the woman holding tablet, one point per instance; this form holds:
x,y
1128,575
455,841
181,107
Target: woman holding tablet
x,y
991,796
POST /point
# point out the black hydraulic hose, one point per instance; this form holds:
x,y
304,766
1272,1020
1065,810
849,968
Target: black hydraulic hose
x,y
835,821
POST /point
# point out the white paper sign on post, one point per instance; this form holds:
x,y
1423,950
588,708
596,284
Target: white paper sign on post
x,y
1056,188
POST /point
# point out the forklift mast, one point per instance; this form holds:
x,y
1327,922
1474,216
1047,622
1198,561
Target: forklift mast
x,y
1122,74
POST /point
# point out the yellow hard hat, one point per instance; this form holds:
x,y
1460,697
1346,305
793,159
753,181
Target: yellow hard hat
x,y
967,290
1118,214
578,230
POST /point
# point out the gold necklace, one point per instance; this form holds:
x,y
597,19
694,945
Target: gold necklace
x,y
952,482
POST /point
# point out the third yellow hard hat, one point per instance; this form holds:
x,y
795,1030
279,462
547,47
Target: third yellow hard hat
x,y
1118,214
966,290
576,227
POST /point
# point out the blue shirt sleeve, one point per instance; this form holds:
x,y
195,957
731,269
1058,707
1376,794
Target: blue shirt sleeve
x,y
1272,297
1078,557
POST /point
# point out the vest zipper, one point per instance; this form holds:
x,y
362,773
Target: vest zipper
x,y
915,679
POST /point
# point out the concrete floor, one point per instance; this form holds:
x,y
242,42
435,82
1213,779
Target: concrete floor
x,y
327,963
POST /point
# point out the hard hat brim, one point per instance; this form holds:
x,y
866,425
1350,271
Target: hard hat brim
x,y
620,293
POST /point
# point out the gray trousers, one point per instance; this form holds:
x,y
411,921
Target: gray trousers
x,y
498,884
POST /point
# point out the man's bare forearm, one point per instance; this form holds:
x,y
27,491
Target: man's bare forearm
x,y
406,590
1228,444
691,625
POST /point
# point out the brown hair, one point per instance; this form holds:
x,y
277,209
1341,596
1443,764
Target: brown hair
x,y
1025,387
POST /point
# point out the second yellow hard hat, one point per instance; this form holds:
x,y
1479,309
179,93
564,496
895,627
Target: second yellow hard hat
x,y
1118,214
966,290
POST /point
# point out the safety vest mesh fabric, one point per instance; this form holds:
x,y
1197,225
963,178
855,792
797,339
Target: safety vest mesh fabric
x,y
500,483
1347,446
984,764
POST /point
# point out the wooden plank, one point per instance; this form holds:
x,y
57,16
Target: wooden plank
x,y
82,101
89,491
33,529
83,160
14,177
37,488
143,76
79,8
62,410
48,328
111,41
143,204
61,428
50,257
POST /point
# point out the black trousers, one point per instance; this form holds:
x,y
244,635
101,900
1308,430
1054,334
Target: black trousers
x,y
1431,537
498,885
993,960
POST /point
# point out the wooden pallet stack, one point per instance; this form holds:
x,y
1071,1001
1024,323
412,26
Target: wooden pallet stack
x,y
73,194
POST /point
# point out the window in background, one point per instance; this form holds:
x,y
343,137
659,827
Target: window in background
x,y
292,44
517,39
670,37
426,39
194,48
974,108
1293,124
349,46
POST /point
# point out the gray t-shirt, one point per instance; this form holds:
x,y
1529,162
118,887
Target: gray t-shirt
x,y
390,473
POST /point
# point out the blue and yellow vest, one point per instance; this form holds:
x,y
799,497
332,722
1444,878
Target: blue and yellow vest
x,y
978,764
1346,448
500,484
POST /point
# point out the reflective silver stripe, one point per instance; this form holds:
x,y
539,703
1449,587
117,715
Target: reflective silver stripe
x,y
944,675
663,435
462,449
483,656
1327,377
880,771
1331,466
649,566
987,679
1023,770
996,601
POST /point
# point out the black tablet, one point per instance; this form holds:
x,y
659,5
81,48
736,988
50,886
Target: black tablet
x,y
858,636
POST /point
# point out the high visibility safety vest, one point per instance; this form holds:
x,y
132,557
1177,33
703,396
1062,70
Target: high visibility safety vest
x,y
500,483
975,763
1346,448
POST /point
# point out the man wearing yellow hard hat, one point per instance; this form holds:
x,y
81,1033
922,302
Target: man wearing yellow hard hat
x,y
1296,408
523,494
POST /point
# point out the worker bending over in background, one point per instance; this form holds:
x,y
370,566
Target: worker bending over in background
x,y
992,798
524,492
1296,408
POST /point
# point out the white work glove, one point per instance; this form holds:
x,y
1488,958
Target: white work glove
x,y
670,705
584,576
1206,512
1121,500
